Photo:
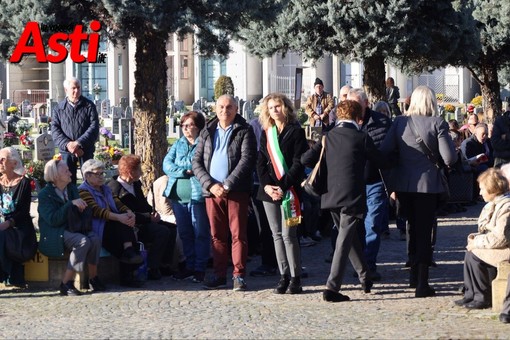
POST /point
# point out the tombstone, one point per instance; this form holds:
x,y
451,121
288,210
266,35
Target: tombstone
x,y
44,147
105,108
50,106
128,113
26,108
11,123
458,114
123,103
203,102
116,112
6,103
247,111
197,106
108,123
124,126
178,106
2,130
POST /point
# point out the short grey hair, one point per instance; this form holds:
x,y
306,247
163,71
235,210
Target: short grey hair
x,y
423,102
68,81
359,93
14,154
51,170
382,107
91,165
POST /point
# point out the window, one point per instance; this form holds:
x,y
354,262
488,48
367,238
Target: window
x,y
184,44
120,76
184,67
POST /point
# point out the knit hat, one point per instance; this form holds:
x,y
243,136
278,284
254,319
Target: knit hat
x,y
318,82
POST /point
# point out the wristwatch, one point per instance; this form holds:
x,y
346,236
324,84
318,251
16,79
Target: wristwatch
x,y
226,187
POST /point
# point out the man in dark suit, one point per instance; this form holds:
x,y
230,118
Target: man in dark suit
x,y
376,125
161,235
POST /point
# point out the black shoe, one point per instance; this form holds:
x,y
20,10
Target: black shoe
x,y
367,286
97,285
184,275
462,302
331,296
504,318
68,289
478,305
131,256
154,274
216,283
425,292
295,286
262,271
282,286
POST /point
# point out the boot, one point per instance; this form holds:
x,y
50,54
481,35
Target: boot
x,y
281,288
295,285
413,277
423,289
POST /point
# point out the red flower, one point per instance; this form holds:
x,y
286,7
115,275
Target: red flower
x,y
32,185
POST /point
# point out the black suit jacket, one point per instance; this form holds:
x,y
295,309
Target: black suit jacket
x,y
137,203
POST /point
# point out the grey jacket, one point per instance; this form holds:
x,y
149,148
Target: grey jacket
x,y
242,155
414,172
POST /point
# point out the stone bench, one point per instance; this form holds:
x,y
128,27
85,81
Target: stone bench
x,y
499,285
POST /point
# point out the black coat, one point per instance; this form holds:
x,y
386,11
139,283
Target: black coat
x,y
377,126
347,151
137,203
293,144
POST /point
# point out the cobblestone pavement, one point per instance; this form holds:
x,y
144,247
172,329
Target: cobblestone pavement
x,y
171,309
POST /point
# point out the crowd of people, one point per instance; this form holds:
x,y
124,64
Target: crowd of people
x,y
226,173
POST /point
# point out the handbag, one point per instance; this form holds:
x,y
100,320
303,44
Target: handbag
x,y
79,221
444,196
20,245
315,184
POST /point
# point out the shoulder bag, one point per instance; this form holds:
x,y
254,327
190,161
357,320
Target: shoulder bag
x,y
315,184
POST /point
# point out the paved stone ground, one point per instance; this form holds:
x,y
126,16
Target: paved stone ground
x,y
171,309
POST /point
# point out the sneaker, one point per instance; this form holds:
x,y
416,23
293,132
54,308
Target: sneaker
x,y
68,289
239,284
198,277
97,285
216,283
263,270
184,275
306,242
131,256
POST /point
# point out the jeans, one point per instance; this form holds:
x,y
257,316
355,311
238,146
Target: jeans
x,y
195,233
375,222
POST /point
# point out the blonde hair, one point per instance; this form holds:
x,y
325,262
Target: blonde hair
x,y
423,102
288,111
494,181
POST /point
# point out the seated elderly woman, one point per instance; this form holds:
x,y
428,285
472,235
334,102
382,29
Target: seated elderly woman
x,y
161,235
112,221
63,224
489,246
15,198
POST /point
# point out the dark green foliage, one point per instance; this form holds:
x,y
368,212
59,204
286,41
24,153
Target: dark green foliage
x,y
223,85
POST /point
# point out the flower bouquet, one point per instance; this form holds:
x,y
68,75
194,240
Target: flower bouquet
x,y
10,139
34,170
23,127
107,134
103,154
12,110
97,89
26,140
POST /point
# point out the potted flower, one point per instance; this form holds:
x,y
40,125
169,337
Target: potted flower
x,y
115,153
23,127
12,110
10,139
103,154
34,170
107,134
449,108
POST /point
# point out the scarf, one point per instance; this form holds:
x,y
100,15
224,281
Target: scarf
x,y
290,202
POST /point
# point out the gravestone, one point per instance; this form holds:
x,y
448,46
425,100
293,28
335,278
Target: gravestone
x,y
108,123
6,103
125,133
116,112
247,111
44,147
51,104
128,113
26,108
123,104
2,130
178,106
105,108
197,106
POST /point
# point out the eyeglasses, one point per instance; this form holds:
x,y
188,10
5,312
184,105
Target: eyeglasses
x,y
188,126
98,174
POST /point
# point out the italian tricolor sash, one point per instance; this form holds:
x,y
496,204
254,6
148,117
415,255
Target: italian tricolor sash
x,y
290,203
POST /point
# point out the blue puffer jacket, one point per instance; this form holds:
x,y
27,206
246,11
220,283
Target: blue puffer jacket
x,y
177,162
376,125
79,123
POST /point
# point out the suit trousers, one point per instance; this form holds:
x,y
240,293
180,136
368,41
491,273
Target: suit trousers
x,y
230,213
348,246
477,278
286,243
85,249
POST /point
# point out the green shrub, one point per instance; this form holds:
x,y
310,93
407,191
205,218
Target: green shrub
x,y
223,85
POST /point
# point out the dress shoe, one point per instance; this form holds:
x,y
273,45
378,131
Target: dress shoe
x,y
425,292
131,256
462,301
295,286
154,274
282,285
477,305
68,289
367,286
331,296
504,318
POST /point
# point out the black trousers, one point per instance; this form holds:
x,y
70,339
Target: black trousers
x,y
478,277
115,234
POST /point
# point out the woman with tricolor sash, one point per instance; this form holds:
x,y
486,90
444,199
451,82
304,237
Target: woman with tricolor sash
x,y
280,172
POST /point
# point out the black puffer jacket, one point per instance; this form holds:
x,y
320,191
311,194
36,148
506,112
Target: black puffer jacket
x,y
79,123
376,125
242,155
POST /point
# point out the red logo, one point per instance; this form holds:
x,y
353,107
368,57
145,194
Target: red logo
x,y
57,43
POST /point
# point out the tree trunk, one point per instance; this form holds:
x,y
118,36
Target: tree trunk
x,y
373,78
151,104
490,91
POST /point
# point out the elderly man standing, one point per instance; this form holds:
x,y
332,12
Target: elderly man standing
x,y
319,105
344,91
376,125
224,162
75,126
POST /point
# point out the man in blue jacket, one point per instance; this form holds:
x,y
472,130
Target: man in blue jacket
x,y
75,126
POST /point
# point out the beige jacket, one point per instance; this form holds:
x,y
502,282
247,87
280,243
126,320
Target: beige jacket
x,y
327,106
490,243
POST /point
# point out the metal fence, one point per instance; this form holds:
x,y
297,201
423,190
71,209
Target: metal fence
x,y
283,84
446,86
33,96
